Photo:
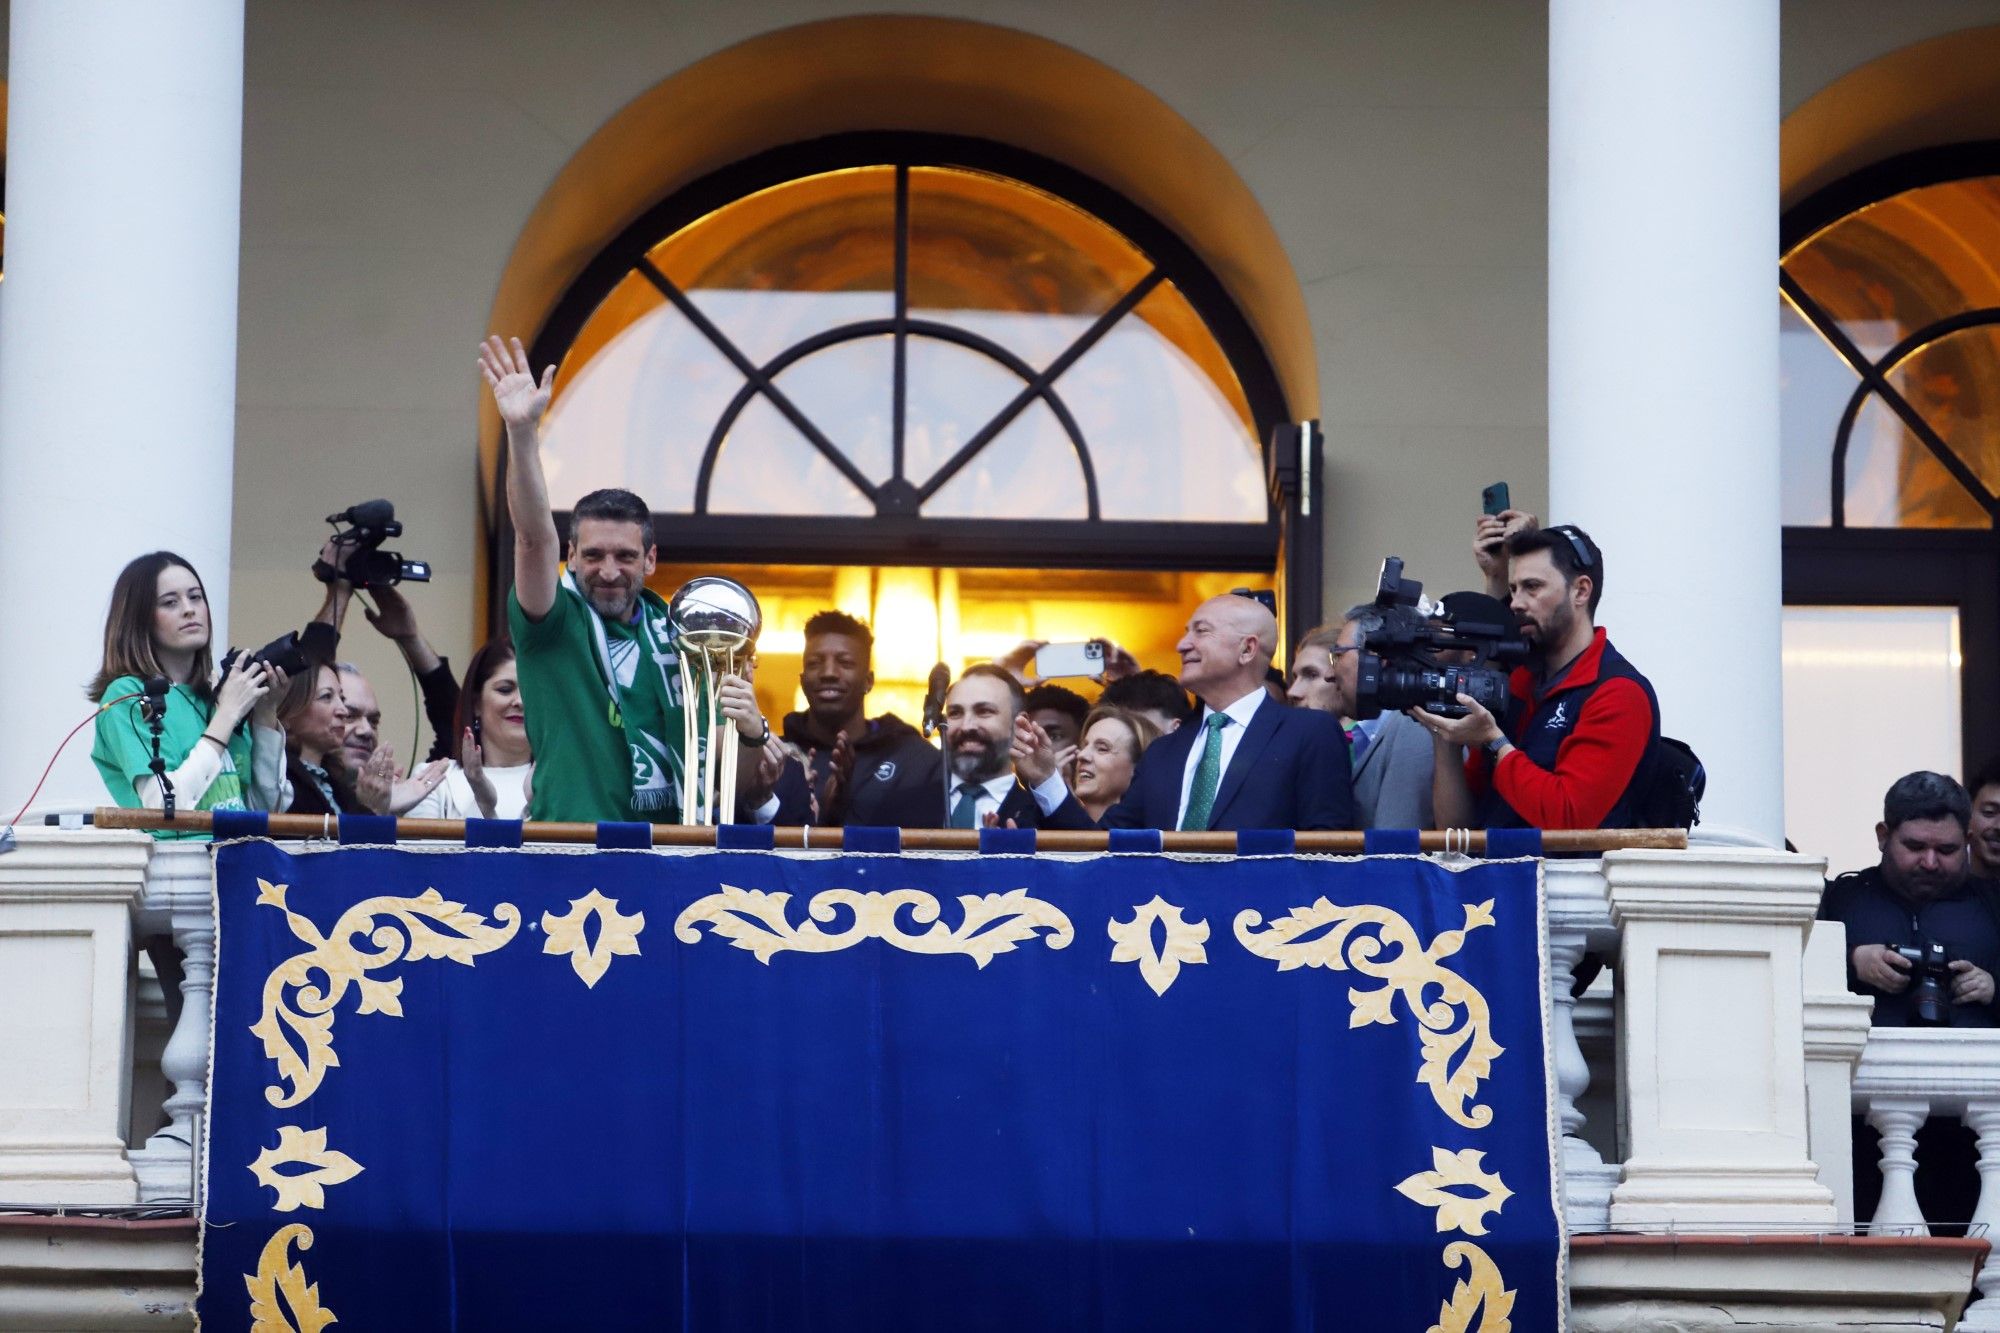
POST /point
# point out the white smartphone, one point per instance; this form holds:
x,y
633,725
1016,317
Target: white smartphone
x,y
1070,659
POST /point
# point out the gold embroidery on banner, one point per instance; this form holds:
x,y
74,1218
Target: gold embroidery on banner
x,y
1455,1024
1464,1170
1158,966
277,1277
1482,1291
616,934
993,923
302,1147
411,934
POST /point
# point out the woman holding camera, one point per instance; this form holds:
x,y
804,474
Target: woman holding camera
x,y
490,779
220,742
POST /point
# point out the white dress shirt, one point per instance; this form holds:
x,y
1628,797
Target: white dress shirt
x,y
991,793
1240,714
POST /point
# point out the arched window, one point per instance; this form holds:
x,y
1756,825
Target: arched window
x,y
918,349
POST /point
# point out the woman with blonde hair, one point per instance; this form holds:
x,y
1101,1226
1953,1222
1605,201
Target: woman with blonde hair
x,y
1108,755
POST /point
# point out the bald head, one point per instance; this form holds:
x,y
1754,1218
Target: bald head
x,y
1227,649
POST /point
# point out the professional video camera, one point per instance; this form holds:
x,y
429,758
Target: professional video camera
x,y
366,565
1930,982
1404,664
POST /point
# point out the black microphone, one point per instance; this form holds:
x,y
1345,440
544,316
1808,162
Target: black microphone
x,y
934,700
153,707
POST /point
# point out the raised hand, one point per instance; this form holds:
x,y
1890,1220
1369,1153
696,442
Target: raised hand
x,y
391,615
243,689
265,712
516,393
404,795
1489,545
1018,660
1118,663
1035,757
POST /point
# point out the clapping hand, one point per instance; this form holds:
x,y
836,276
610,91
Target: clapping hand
x,y
383,792
472,762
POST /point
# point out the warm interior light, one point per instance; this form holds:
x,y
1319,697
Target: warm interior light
x,y
923,615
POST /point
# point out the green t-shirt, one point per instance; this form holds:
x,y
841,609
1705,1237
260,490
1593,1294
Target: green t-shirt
x,y
123,750
599,759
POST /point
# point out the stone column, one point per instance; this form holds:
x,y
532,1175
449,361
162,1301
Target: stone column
x,y
117,337
66,904
1663,362
1711,1039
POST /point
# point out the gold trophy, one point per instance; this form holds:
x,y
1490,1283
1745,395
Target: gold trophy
x,y
714,622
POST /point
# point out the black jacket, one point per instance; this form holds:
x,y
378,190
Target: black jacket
x,y
1966,922
898,777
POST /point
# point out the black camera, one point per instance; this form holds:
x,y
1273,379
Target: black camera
x,y
1930,982
281,652
1468,644
366,564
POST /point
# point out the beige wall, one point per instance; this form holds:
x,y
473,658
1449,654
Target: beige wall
x,y
394,150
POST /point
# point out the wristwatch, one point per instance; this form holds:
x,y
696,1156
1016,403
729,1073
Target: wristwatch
x,y
1494,746
756,742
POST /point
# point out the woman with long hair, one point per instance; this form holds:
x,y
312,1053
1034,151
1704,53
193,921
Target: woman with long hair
x,y
220,741
1108,755
314,716
490,779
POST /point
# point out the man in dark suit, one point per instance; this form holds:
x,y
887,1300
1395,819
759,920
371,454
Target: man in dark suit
x,y
980,714
1248,763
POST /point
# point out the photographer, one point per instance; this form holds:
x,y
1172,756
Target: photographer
x,y
1919,895
220,745
1583,722
394,619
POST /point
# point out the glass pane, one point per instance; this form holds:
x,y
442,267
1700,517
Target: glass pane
x,y
1840,758
635,400
1169,439
767,467
1028,470
952,392
778,266
847,390
1011,263
1914,258
1813,388
1954,383
1894,481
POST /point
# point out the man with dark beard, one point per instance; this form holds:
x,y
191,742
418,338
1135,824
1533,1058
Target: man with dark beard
x,y
878,771
1580,735
979,718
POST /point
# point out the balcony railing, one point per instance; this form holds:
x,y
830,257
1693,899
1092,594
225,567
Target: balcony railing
x,y
1731,1050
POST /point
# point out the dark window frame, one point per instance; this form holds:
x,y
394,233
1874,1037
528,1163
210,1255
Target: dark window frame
x,y
1837,565
896,534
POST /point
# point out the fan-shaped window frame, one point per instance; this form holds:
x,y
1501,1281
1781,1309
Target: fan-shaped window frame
x,y
897,533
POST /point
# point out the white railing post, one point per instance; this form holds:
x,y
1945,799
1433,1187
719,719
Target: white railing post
x,y
66,903
1897,1120
179,899
1579,921
1983,1118
1711,1039
1836,1032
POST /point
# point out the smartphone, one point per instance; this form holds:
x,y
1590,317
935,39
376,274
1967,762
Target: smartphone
x,y
1070,659
1494,499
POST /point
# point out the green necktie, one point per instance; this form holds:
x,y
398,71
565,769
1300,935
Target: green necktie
x,y
965,814
1207,775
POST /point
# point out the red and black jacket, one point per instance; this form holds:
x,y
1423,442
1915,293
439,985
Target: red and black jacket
x,y
1581,750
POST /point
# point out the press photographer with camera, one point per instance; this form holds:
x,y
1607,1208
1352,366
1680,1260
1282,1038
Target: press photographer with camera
x,y
168,722
593,646
1923,935
1391,755
1573,741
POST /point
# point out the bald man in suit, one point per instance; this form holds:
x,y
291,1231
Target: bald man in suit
x,y
1249,762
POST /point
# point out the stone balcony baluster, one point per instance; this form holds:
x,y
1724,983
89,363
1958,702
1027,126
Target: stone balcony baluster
x,y
179,900
1579,910
1907,1075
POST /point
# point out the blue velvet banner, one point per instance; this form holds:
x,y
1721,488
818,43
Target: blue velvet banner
x,y
498,1089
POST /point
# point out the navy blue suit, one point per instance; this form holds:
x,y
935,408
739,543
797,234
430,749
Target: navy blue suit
x,y
1290,771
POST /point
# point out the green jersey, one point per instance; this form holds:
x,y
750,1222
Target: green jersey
x,y
123,751
604,714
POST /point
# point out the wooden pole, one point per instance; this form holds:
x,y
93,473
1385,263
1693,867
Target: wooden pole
x,y
914,840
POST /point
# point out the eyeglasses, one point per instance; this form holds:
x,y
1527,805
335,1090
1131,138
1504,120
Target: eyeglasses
x,y
1578,544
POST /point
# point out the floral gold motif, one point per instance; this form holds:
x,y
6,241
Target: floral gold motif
x,y
302,1147
1482,1292
1455,1026
1184,942
992,923
616,934
300,1039
1460,1188
299,1311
